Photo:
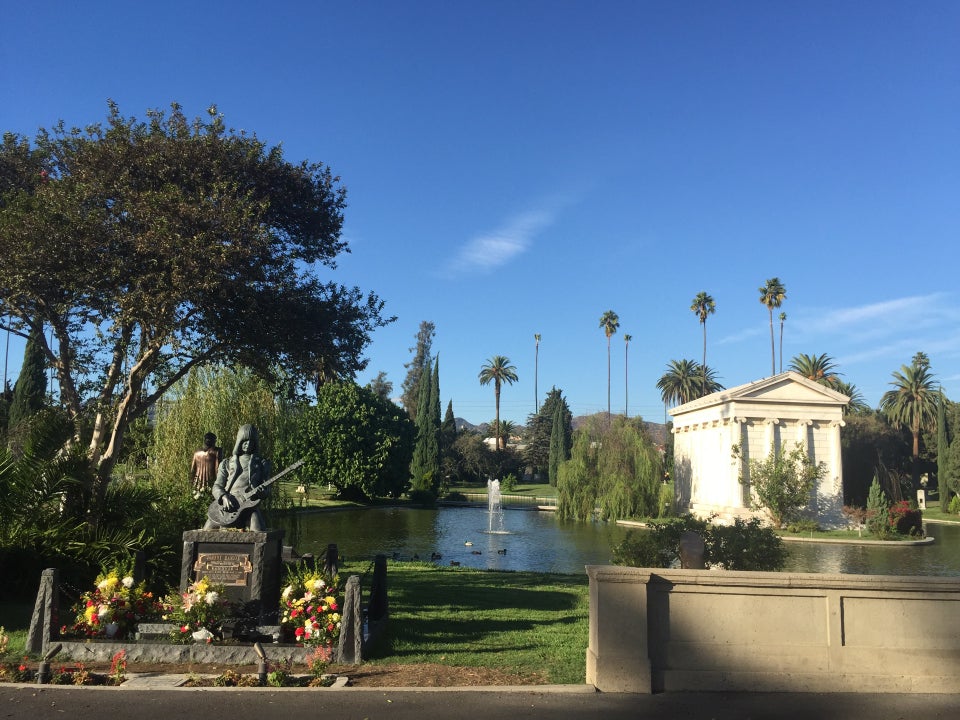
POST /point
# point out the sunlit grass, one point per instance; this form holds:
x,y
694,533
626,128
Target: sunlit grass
x,y
521,622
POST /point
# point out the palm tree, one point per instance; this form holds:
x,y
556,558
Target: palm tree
x,y
912,402
626,374
772,295
536,372
702,306
609,321
783,319
858,403
504,431
819,368
681,383
499,370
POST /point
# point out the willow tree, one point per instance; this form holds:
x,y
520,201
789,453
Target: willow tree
x,y
614,468
153,247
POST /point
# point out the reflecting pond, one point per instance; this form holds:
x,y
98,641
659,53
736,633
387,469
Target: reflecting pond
x,y
538,541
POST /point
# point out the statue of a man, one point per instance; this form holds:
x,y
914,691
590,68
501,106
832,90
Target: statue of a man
x,y
206,462
235,493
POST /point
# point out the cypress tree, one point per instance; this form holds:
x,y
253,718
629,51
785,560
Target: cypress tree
x,y
943,456
559,441
425,467
30,390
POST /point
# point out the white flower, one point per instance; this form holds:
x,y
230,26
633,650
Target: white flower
x,y
287,591
211,597
103,610
202,634
102,585
319,585
127,582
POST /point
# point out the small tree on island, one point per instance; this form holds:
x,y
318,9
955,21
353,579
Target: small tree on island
x,y
781,483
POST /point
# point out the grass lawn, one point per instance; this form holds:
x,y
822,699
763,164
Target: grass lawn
x,y
522,622
538,490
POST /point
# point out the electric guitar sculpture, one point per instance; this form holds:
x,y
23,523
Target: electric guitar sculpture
x,y
245,499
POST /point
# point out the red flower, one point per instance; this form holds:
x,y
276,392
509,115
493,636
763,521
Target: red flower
x,y
298,632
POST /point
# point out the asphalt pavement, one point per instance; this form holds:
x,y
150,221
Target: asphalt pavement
x,y
144,699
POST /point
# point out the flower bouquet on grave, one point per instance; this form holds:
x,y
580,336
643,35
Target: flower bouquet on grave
x,y
114,608
310,609
199,612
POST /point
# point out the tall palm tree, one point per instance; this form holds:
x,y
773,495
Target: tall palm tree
x,y
783,319
819,368
912,402
681,383
609,321
702,306
536,373
626,374
498,370
772,295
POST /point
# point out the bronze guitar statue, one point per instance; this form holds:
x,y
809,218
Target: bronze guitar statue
x,y
241,484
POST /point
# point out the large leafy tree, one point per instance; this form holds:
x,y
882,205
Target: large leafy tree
x,y
912,403
772,294
685,380
703,306
497,370
153,247
609,322
357,441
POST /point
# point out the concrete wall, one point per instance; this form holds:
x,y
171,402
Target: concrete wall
x,y
655,630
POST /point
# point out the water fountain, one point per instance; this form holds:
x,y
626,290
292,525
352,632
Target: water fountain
x,y
494,509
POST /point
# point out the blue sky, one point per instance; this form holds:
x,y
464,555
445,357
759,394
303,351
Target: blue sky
x,y
516,168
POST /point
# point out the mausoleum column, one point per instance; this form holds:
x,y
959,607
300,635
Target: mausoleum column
x,y
770,433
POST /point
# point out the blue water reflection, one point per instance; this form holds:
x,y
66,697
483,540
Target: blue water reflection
x,y
538,541
533,540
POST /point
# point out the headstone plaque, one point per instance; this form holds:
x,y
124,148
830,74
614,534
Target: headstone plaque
x,y
248,563
224,568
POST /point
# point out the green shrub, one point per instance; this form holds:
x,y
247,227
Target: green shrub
x,y
878,513
509,483
954,508
804,525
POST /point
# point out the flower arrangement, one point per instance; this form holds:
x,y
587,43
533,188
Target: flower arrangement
x,y
114,608
310,609
198,612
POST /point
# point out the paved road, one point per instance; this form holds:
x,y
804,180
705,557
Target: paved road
x,y
556,703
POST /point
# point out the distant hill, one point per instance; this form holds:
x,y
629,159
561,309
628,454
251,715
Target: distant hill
x,y
658,431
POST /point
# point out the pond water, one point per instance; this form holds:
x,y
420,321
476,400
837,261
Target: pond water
x,y
539,541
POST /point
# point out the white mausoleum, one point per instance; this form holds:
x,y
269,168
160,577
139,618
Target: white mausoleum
x,y
778,411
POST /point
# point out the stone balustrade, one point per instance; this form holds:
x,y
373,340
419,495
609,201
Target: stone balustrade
x,y
654,630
